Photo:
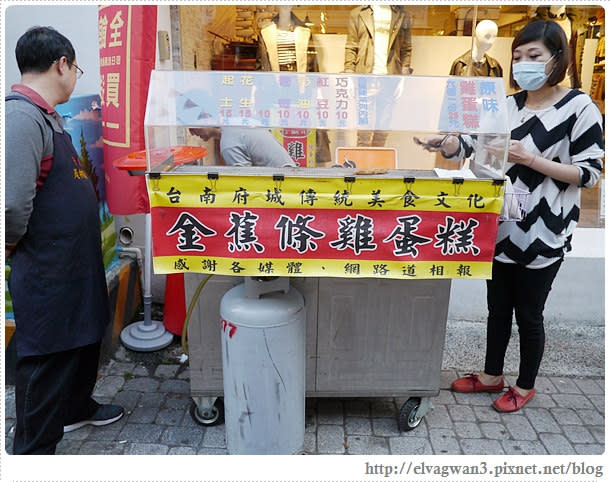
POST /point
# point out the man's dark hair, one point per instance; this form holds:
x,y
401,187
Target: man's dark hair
x,y
39,47
554,38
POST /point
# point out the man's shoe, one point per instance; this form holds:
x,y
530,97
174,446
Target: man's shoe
x,y
104,415
512,400
471,384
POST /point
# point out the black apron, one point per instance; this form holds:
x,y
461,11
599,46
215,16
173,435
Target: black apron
x,y
57,280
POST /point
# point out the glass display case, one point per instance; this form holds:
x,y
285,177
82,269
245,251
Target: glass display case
x,y
404,108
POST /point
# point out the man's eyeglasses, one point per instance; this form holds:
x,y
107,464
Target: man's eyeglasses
x,y
79,71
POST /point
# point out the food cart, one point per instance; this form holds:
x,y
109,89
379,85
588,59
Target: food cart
x,y
372,250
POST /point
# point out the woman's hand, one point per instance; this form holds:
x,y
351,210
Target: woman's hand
x,y
517,154
446,144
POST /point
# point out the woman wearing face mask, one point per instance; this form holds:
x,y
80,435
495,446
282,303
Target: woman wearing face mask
x,y
555,150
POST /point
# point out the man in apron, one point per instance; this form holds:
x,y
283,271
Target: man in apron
x,y
52,235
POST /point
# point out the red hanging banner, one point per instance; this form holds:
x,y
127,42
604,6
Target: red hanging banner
x,y
127,39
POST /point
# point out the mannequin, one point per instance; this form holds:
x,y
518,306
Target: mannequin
x,y
476,63
284,43
378,42
283,47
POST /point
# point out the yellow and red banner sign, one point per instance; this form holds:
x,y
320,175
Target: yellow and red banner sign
x,y
127,39
363,227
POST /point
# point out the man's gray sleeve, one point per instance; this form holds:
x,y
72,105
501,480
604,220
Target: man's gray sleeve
x,y
235,156
23,151
266,150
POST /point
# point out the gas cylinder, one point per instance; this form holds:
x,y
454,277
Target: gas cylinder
x,y
263,363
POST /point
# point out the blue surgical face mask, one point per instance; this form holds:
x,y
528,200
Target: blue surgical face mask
x,y
531,75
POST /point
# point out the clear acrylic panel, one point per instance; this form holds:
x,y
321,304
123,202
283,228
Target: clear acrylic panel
x,y
343,105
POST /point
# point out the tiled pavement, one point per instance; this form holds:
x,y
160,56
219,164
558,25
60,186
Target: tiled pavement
x,y
565,417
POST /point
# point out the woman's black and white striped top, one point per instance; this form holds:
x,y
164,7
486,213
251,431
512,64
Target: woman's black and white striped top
x,y
569,132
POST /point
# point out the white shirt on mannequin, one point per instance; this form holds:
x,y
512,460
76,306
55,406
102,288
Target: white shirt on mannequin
x,y
382,15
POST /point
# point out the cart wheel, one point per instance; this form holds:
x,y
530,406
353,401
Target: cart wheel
x,y
407,417
215,416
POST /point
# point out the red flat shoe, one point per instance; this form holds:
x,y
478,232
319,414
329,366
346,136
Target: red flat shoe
x,y
471,384
512,400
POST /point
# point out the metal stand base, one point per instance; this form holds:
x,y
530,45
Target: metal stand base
x,y
147,335
143,336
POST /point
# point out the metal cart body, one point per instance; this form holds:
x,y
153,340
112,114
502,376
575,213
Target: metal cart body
x,y
364,338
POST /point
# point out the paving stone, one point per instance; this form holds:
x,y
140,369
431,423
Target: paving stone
x,y
475,399
68,447
579,435
589,449
330,439
591,417
542,400
141,371
119,368
9,405
574,401
212,451
145,449
444,442
128,399
358,426
556,444
143,414
108,386
182,451
445,397
177,401
169,417
523,447
309,443
598,433
175,386
155,400
438,418
461,413
565,385
599,401
101,447
469,430
79,434
519,427
142,384
480,446
588,386
107,432
410,446
8,445
495,431
367,445
214,436
167,371
141,433
566,416
182,436
542,420
487,414
385,427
